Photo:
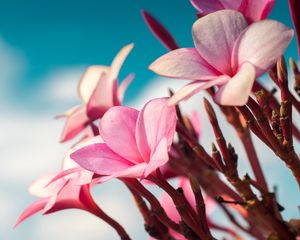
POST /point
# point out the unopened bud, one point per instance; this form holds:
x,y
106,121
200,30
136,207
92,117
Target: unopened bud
x,y
194,184
282,70
273,74
210,111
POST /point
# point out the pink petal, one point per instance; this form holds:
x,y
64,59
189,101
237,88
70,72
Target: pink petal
x,y
101,99
155,121
64,174
192,88
184,183
207,6
100,159
123,87
85,177
75,123
196,122
90,79
294,10
159,31
68,163
41,189
229,4
185,63
236,91
68,197
117,128
31,210
158,158
210,205
258,9
261,44
214,36
118,62
135,171
170,208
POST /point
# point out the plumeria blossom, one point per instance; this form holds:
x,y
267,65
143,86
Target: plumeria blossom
x,y
135,143
228,53
61,194
98,90
253,10
70,188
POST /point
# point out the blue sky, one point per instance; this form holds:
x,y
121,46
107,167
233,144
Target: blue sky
x,y
44,48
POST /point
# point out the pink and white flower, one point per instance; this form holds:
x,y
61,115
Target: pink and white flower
x,y
135,143
98,90
228,53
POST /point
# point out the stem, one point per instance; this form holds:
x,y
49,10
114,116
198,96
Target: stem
x,y
253,159
289,156
114,224
275,105
91,206
155,204
152,225
184,208
200,204
255,206
233,118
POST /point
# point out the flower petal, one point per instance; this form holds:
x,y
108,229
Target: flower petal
x,y
75,123
89,81
117,128
229,4
67,197
207,6
185,63
123,87
236,91
191,89
135,171
155,121
258,9
100,159
41,189
158,158
159,31
294,11
118,62
101,99
196,123
214,36
31,210
68,162
261,44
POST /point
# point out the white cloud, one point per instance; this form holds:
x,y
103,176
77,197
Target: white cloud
x,y
12,65
60,86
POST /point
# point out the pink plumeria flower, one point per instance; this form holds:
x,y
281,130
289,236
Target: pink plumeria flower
x,y
98,90
135,143
67,189
59,195
253,10
228,53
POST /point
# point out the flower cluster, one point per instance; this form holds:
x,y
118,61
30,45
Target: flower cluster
x,y
233,45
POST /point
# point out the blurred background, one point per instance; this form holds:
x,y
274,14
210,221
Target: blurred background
x,y
45,47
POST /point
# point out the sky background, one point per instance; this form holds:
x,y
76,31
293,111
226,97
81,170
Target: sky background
x,y
44,48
